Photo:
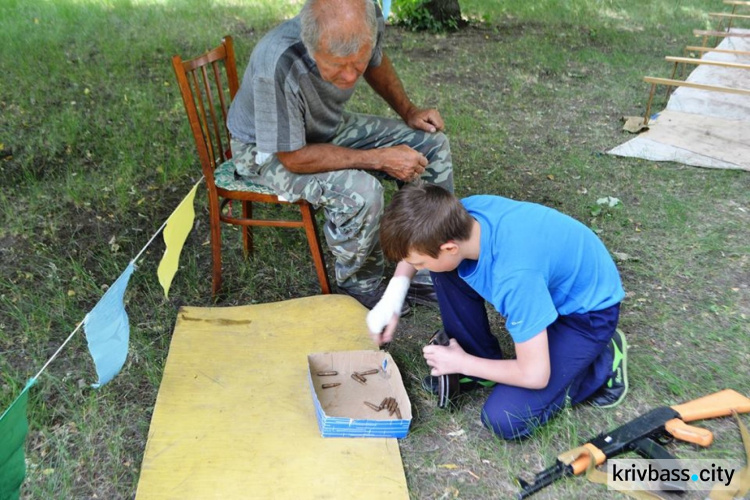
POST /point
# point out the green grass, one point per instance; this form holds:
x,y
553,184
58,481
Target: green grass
x,y
96,153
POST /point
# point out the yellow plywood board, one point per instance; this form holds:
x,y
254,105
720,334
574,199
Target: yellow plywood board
x,y
234,416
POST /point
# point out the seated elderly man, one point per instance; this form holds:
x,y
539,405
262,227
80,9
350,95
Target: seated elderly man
x,y
290,132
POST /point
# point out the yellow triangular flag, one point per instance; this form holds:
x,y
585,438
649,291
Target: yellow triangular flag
x,y
175,233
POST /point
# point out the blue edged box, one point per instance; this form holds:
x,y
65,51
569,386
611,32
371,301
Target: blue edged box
x,y
341,410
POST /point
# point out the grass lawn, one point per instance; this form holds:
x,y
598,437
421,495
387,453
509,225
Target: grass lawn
x,y
95,153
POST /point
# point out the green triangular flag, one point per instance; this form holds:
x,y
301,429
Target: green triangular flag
x,y
13,429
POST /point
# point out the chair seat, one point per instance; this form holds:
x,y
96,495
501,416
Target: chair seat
x,y
225,179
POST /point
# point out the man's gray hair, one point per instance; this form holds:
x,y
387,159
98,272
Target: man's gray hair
x,y
319,16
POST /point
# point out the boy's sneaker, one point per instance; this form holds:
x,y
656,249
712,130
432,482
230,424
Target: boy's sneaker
x,y
445,387
613,392
448,387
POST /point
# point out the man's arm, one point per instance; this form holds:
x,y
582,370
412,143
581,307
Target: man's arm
x,y
400,162
530,369
384,80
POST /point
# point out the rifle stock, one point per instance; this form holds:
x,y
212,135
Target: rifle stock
x,y
718,404
639,434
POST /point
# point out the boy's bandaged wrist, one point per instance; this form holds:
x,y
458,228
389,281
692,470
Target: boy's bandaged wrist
x,y
390,303
395,292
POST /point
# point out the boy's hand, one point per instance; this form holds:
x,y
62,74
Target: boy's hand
x,y
386,312
444,360
387,334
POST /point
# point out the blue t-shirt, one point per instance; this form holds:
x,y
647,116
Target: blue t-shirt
x,y
536,263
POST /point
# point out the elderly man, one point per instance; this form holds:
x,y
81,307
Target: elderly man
x,y
291,133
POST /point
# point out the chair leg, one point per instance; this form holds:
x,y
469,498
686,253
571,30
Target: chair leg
x,y
308,219
247,231
215,249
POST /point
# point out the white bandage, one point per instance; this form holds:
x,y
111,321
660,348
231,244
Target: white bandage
x,y
390,304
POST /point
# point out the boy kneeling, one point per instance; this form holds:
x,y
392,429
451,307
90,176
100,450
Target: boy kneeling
x,y
546,273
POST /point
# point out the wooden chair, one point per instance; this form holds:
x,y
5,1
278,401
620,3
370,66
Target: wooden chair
x,y
208,83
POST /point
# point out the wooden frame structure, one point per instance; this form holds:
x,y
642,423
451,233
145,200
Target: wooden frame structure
x,y
703,49
732,15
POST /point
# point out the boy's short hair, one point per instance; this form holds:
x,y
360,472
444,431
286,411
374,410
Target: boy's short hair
x,y
420,218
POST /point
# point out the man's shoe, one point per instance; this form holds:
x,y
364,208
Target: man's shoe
x,y
422,294
370,299
448,387
613,392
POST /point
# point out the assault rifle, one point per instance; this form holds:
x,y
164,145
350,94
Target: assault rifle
x,y
644,436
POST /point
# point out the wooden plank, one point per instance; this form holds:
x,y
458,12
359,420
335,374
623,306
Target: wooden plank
x,y
695,48
720,33
701,86
737,2
234,417
729,15
691,60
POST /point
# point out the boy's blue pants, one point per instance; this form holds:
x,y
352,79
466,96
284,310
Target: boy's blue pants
x,y
579,358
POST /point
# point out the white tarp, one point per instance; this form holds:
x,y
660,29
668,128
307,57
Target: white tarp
x,y
700,127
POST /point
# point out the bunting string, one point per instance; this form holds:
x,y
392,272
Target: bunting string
x,y
107,332
87,318
58,351
161,228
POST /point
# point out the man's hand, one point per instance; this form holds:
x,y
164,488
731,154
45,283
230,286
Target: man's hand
x,y
444,360
384,80
402,162
428,120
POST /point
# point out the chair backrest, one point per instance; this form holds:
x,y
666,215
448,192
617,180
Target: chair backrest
x,y
208,84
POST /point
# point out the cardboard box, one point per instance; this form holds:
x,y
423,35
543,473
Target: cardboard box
x,y
341,410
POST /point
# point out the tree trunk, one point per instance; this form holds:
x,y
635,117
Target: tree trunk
x,y
445,11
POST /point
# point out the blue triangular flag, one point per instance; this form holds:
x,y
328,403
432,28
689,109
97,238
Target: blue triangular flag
x,y
108,331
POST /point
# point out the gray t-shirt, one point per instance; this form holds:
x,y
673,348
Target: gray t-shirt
x,y
283,103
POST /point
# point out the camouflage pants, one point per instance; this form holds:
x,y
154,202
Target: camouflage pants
x,y
352,200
